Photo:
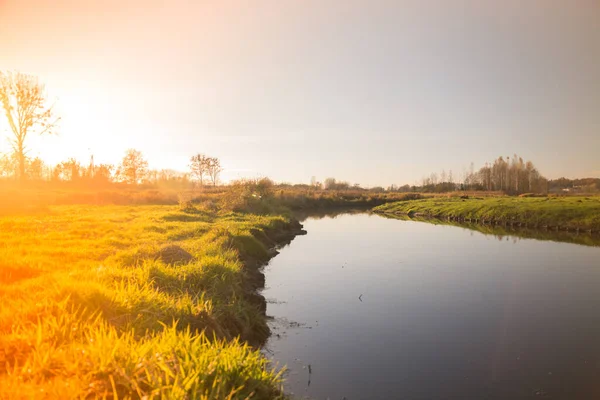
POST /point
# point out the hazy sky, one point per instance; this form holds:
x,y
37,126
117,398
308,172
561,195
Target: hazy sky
x,y
374,92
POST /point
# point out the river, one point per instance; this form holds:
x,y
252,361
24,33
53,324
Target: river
x,y
365,307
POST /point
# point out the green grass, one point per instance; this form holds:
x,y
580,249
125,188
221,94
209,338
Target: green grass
x,y
564,212
89,310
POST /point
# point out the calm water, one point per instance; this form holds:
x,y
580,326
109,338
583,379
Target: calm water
x,y
445,313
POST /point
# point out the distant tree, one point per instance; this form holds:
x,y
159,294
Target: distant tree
x,y
152,176
133,168
329,184
470,180
169,178
333,184
103,172
199,165
342,185
35,169
8,165
434,179
69,170
213,169
512,176
24,102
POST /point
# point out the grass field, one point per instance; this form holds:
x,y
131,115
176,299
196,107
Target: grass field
x,y
562,212
133,301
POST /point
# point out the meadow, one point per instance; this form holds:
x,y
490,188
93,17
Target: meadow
x,y
135,302
151,293
568,213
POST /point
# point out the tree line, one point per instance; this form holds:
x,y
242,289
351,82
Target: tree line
x,y
24,103
509,175
133,170
512,176
586,185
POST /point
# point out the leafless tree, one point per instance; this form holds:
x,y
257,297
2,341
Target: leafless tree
x,y
133,168
199,165
69,170
8,164
213,169
103,172
24,102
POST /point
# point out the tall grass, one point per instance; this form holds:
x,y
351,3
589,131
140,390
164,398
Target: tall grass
x,y
90,309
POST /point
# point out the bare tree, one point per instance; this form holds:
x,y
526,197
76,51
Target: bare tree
x,y
213,169
69,170
133,168
24,102
434,179
330,184
199,165
103,172
8,163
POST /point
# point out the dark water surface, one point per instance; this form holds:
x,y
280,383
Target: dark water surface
x,y
445,313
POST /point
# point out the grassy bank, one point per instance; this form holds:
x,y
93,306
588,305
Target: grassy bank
x,y
502,232
134,301
567,213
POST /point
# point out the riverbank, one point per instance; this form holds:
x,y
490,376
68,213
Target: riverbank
x,y
513,231
558,213
136,301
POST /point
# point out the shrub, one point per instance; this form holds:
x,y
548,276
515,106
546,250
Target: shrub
x,y
249,195
185,202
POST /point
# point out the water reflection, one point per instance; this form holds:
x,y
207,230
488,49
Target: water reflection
x,y
332,213
513,233
366,307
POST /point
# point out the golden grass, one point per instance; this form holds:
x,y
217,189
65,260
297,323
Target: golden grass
x,y
90,310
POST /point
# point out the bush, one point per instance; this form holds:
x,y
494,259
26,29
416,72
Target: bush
x,y
410,196
207,206
249,195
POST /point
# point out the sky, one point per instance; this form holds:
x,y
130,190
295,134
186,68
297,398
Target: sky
x,y
372,92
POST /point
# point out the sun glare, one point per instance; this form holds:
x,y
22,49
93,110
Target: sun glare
x,y
392,199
